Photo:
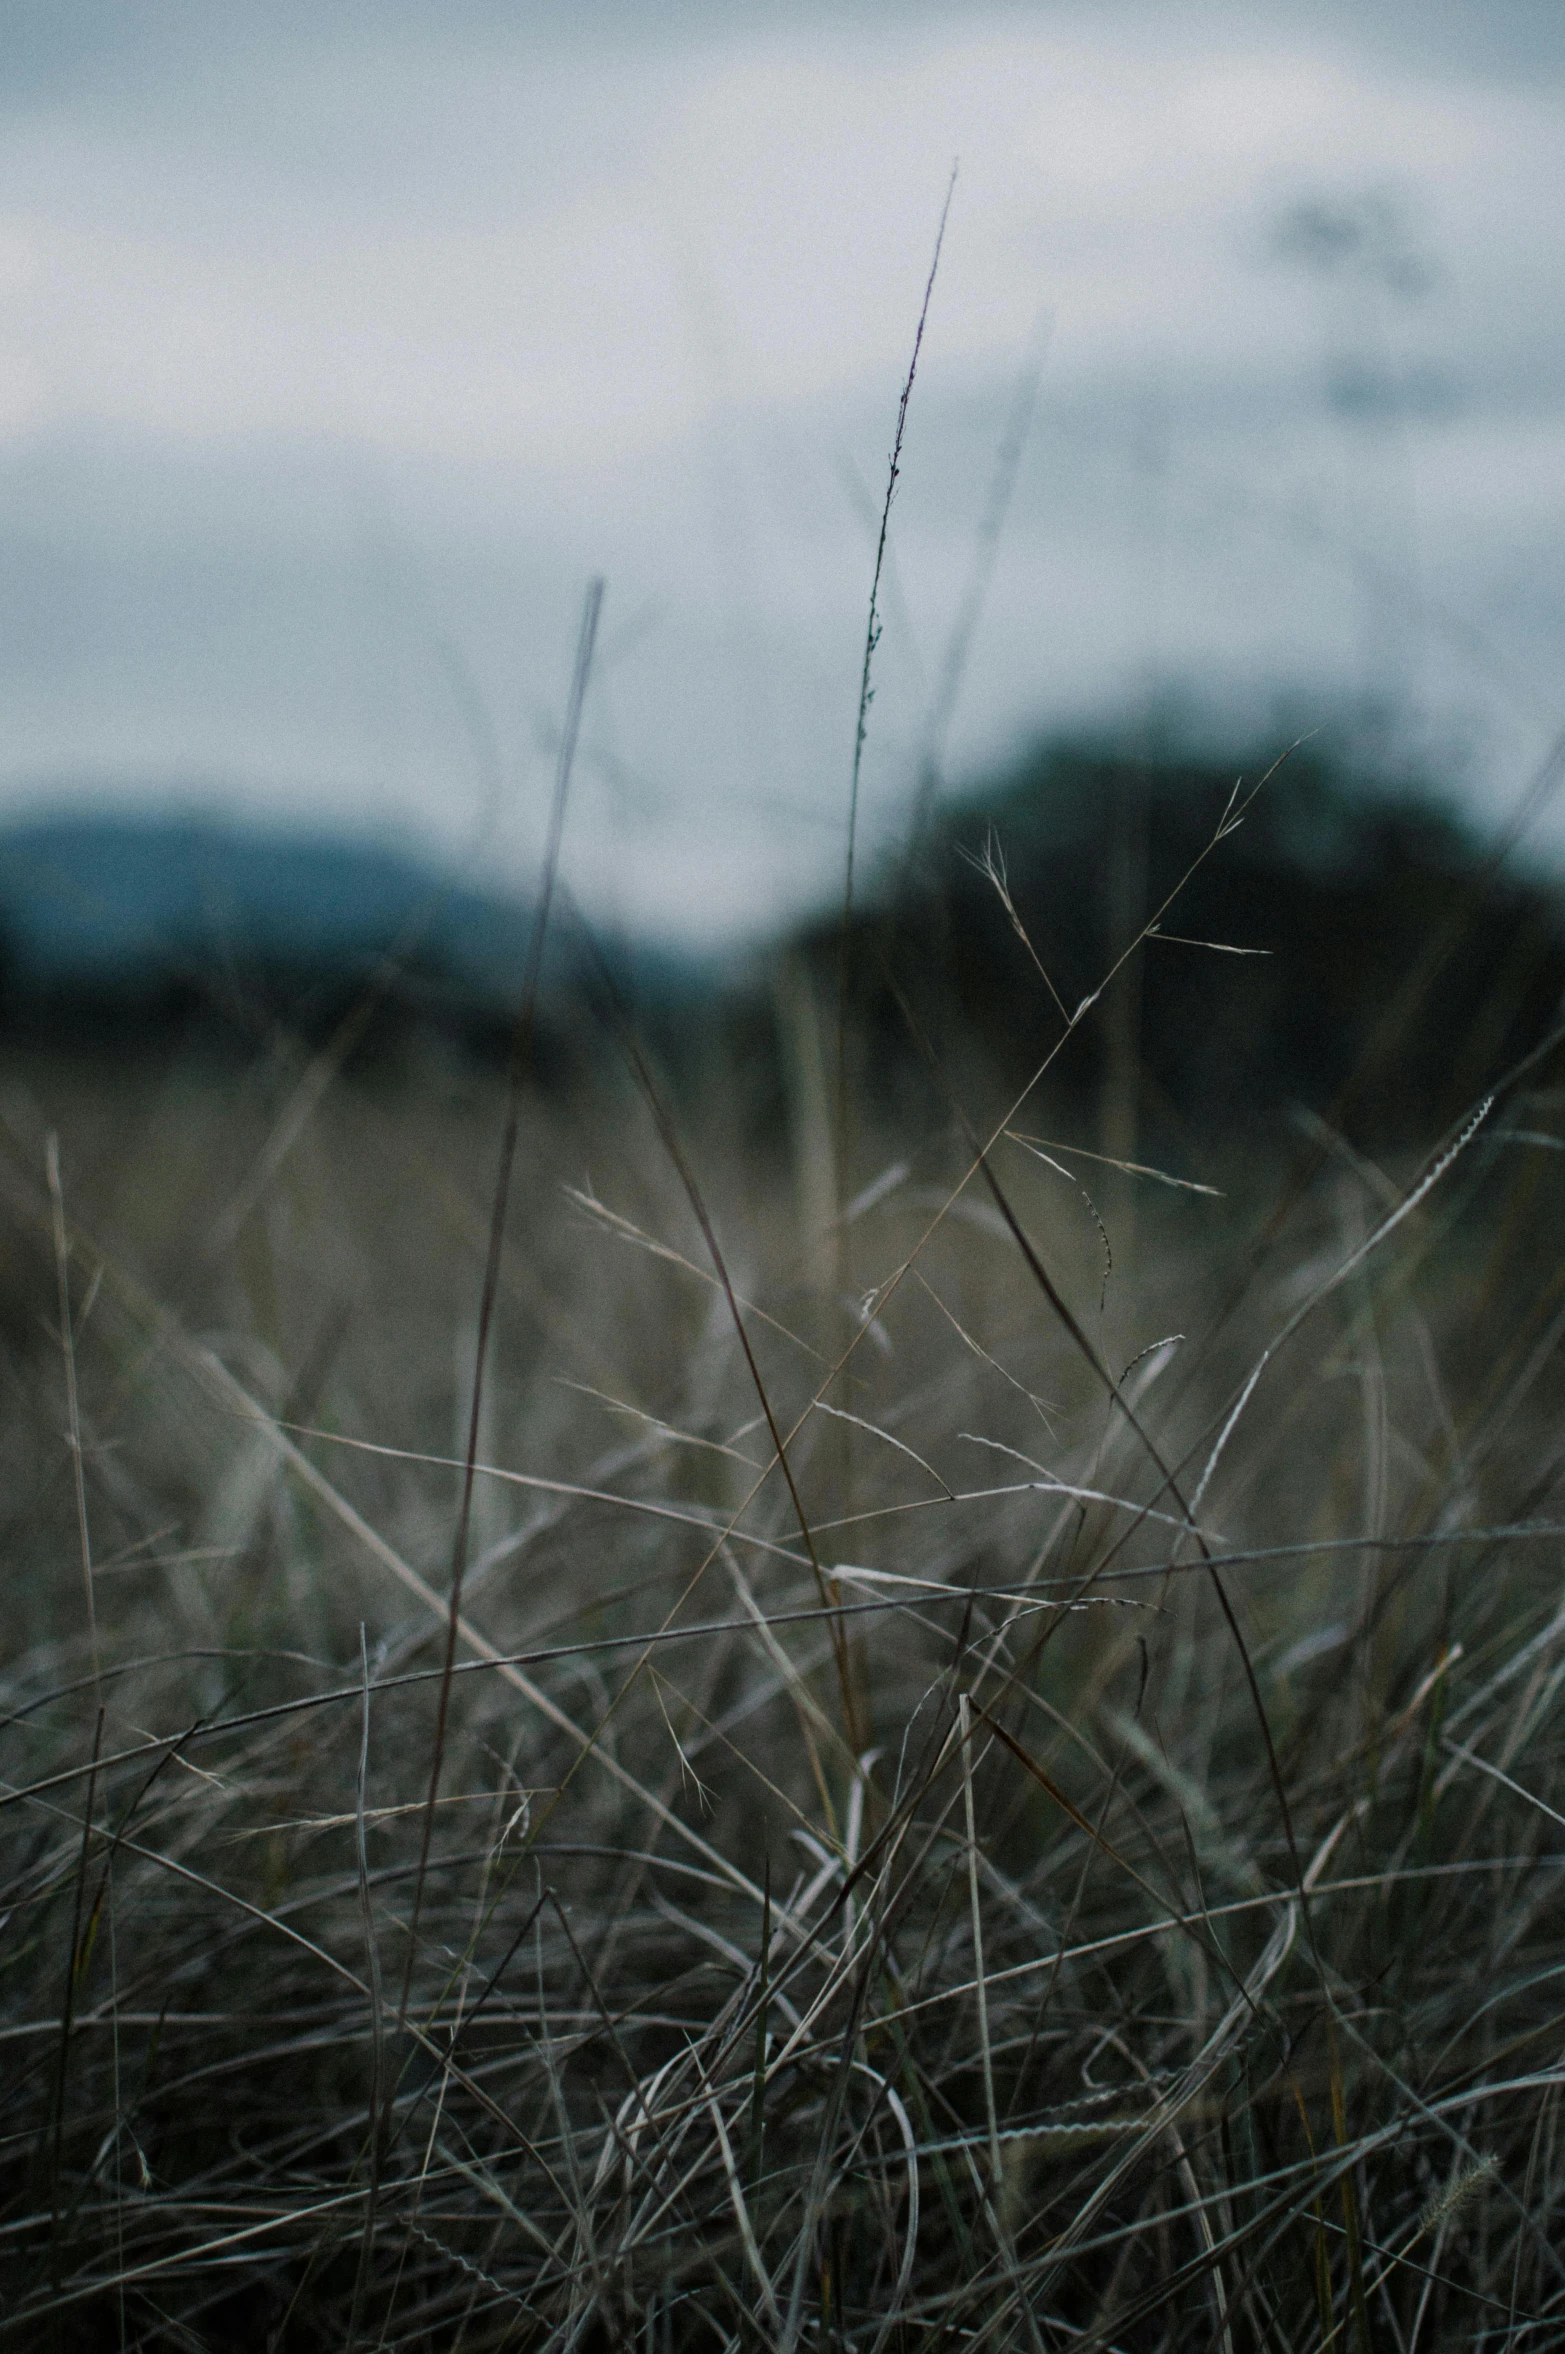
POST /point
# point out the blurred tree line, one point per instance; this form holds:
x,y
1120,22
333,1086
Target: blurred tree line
x,y
1320,939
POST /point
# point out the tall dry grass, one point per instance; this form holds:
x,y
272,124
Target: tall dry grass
x,y
1072,1857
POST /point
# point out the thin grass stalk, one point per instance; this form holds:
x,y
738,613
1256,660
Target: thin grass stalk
x,y
521,1064
377,2117
872,630
62,1264
73,1968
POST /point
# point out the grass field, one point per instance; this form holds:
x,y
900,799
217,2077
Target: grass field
x,y
1072,1857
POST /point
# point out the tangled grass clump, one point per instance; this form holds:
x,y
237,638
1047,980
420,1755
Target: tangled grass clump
x,y
965,1797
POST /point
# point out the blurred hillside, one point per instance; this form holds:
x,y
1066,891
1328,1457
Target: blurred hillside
x,y
128,930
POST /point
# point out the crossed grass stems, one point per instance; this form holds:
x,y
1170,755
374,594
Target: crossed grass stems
x,y
948,1951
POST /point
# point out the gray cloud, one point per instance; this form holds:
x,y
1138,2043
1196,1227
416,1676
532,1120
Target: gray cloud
x,y
333,340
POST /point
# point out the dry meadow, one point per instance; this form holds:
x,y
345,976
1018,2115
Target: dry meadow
x,y
993,1778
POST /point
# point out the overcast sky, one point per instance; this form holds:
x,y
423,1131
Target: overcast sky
x,y
341,344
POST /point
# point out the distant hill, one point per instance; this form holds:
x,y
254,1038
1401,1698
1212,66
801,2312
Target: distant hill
x,y
129,922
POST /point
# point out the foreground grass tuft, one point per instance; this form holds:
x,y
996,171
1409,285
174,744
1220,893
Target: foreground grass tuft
x,y
1077,1862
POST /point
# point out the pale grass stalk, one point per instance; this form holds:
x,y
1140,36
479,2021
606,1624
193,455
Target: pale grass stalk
x,y
73,1426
